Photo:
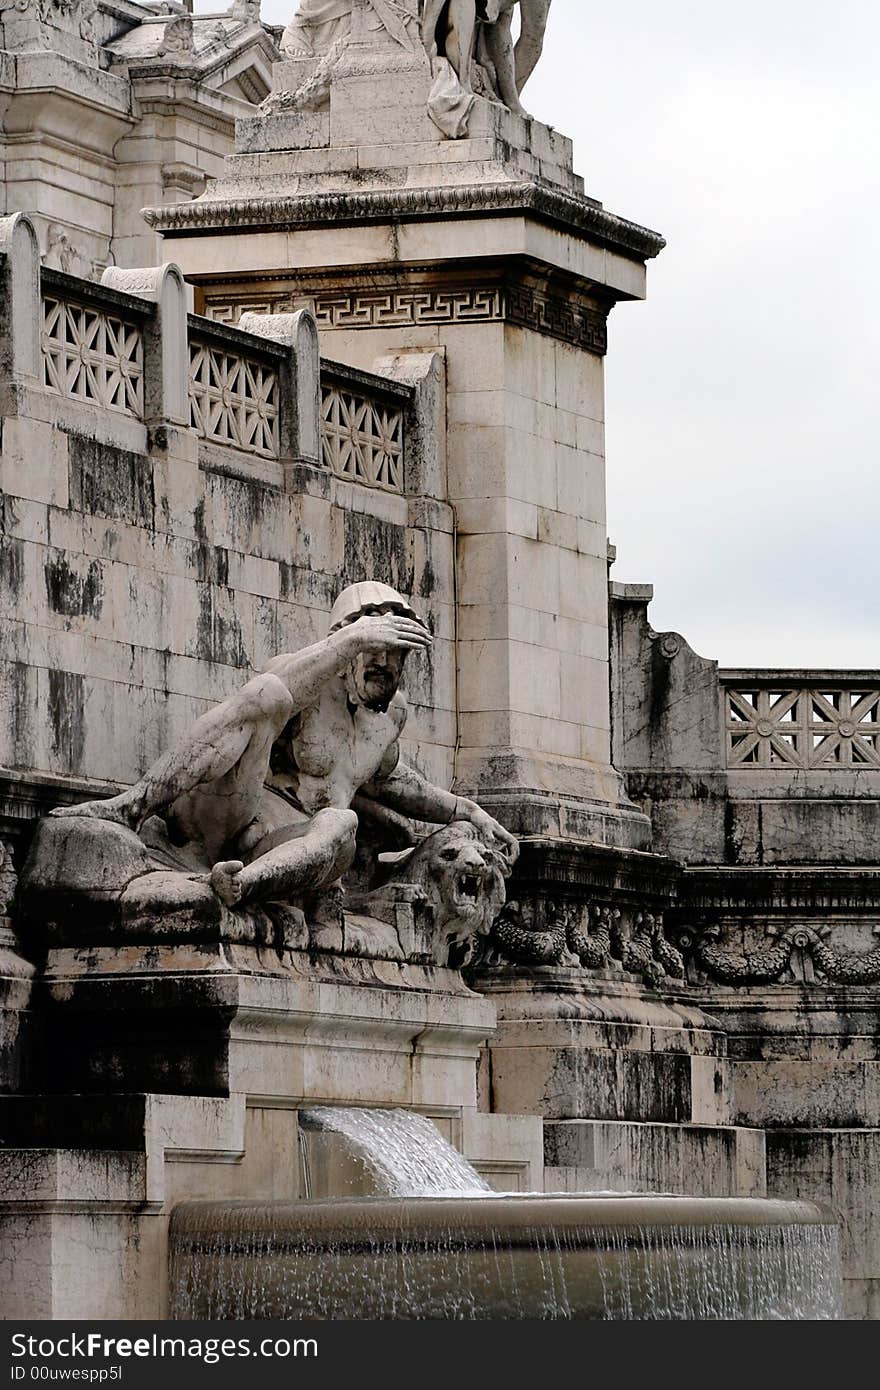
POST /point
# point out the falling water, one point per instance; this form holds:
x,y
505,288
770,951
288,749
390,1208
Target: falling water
x,y
406,1154
563,1257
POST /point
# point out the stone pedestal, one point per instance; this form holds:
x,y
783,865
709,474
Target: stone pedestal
x,y
572,1046
218,1019
805,1065
178,1073
486,251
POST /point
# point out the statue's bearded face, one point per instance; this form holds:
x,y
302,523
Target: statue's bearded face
x,y
373,677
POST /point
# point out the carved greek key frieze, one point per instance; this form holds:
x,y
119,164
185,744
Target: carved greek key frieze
x,y
557,318
398,309
518,304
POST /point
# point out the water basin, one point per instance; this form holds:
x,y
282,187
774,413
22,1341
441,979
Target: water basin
x,y
505,1257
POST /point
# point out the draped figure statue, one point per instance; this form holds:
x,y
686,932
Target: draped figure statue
x,y
469,44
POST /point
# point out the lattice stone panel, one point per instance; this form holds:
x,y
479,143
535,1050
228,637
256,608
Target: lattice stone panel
x,y
362,439
233,400
90,355
820,727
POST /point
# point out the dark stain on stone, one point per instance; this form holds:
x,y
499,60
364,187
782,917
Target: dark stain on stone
x,y
22,705
67,717
218,634
376,549
247,504
730,850
299,583
111,482
427,580
71,594
199,526
11,567
660,679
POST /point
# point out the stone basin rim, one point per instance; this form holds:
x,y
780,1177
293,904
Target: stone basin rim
x,y
330,1221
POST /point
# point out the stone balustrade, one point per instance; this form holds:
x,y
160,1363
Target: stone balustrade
x,y
169,519
363,426
92,343
801,719
124,360
234,388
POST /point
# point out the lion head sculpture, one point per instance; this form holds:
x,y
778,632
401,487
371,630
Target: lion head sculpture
x,y
457,882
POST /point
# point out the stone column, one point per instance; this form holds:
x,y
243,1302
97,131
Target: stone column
x,y
527,481
20,315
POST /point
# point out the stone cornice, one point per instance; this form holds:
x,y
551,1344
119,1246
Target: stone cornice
x,y
756,889
562,868
411,204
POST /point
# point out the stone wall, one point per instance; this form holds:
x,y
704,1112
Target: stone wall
x,y
160,540
748,767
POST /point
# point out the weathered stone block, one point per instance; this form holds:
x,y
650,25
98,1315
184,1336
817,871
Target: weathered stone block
x,y
34,461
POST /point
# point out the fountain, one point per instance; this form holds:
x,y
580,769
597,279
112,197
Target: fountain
x,y
454,829
439,1244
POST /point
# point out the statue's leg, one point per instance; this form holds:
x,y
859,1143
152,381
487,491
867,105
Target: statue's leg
x,y
314,858
163,892
530,44
429,22
460,39
499,41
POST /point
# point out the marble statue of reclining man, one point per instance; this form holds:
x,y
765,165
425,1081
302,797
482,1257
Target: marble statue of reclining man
x,y
257,798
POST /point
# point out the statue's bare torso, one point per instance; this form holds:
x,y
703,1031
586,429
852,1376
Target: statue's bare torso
x,y
329,751
335,749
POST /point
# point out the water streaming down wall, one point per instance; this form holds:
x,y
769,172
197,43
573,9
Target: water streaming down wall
x,y
651,1258
401,1154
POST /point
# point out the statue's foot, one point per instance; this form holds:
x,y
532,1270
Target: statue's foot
x,y
116,809
226,881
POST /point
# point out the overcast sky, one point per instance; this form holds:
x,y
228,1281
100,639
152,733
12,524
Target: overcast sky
x,y
743,398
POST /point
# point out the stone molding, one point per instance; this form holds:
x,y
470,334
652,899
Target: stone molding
x,y
758,890
580,215
567,319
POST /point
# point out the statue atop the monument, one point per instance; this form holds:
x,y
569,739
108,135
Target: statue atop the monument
x,y
469,44
255,804
471,49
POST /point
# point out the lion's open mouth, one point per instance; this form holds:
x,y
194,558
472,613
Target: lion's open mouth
x,y
469,886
